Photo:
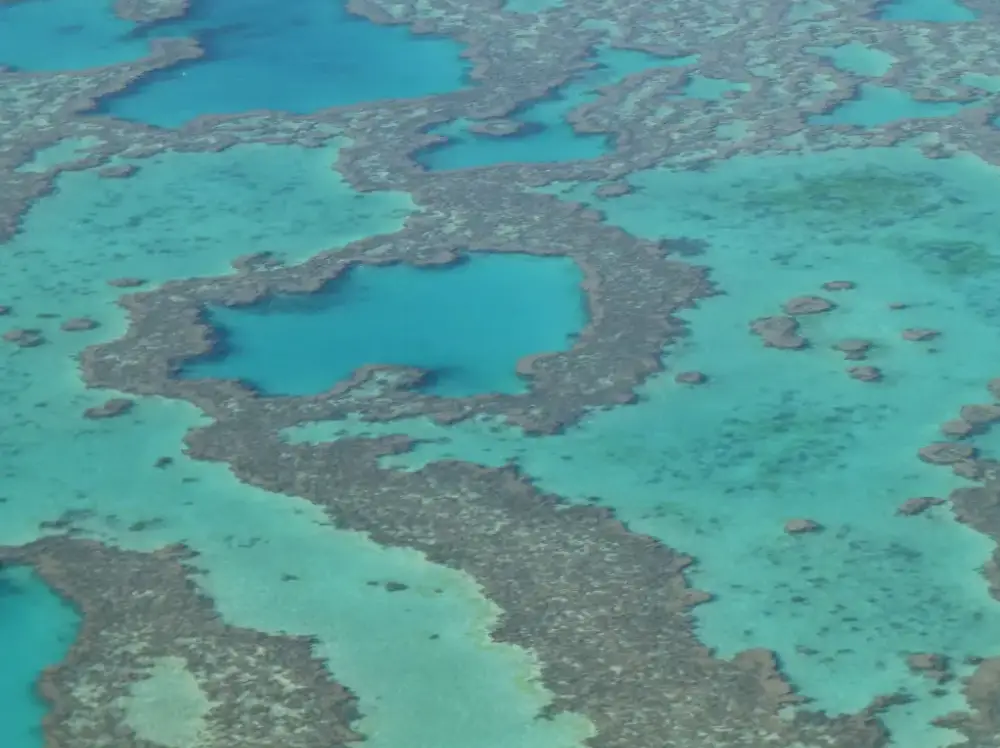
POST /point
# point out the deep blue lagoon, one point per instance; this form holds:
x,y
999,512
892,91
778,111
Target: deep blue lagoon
x,y
295,57
36,630
466,324
42,35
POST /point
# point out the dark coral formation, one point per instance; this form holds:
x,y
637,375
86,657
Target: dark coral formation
x,y
807,305
918,505
25,337
498,128
933,666
854,349
978,507
116,406
78,324
839,285
865,373
126,282
957,427
118,171
946,453
613,189
994,387
918,334
980,415
802,526
982,724
691,377
149,11
684,246
779,332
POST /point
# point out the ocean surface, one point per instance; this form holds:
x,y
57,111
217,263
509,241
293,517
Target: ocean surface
x,y
713,471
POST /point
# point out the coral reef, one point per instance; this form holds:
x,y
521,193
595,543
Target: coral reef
x,y
606,610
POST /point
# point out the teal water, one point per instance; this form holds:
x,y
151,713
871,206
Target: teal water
x,y
940,11
41,35
531,6
253,49
857,58
185,215
548,135
36,631
710,89
467,325
716,471
874,106
807,10
989,83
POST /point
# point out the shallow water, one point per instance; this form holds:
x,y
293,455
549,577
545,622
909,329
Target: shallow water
x,y
857,58
466,325
941,11
878,105
548,135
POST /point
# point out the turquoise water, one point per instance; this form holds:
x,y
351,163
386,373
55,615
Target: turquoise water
x,y
467,325
549,136
253,49
989,83
531,6
716,471
857,58
185,215
940,11
711,89
37,35
874,106
36,631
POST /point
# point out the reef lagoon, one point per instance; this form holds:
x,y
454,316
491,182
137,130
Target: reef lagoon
x,y
533,374
466,325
